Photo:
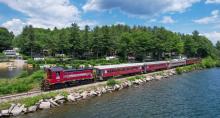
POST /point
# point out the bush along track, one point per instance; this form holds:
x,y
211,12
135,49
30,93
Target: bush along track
x,y
206,63
22,83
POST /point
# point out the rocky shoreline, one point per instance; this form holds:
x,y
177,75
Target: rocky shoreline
x,y
89,92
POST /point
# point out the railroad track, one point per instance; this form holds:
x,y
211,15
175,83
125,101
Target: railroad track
x,y
14,96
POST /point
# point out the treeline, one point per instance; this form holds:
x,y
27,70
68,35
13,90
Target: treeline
x,y
124,41
6,38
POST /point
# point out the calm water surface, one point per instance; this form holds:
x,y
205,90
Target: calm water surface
x,y
195,94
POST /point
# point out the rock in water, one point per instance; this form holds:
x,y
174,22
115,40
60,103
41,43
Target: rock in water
x,y
116,87
5,113
53,102
71,98
92,93
59,97
84,94
44,105
17,110
32,108
11,108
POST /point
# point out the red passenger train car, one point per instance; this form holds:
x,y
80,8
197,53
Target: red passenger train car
x,y
57,75
117,70
154,66
192,61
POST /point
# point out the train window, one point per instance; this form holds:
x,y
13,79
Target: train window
x,y
57,75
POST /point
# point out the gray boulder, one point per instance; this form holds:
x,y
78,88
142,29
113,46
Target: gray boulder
x,y
32,108
11,108
84,94
5,112
117,87
103,90
93,93
53,103
44,105
61,101
24,110
71,98
59,97
17,110
77,96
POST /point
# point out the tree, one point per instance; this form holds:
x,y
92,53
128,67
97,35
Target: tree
x,y
5,39
218,45
120,40
75,41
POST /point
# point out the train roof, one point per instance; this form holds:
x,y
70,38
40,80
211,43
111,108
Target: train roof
x,y
81,69
128,65
155,62
176,60
118,66
55,69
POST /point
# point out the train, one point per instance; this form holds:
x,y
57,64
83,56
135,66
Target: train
x,y
59,76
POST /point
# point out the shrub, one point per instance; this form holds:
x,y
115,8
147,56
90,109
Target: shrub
x,y
139,77
179,70
111,82
131,79
23,84
23,74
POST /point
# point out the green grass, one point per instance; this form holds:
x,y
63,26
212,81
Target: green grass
x,y
30,101
111,82
21,83
135,78
206,63
131,79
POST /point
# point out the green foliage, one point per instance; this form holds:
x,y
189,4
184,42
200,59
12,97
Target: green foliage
x,y
218,45
5,39
111,82
121,40
131,79
23,74
21,84
135,78
206,63
74,63
139,77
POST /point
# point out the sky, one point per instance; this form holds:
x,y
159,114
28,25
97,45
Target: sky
x,y
182,16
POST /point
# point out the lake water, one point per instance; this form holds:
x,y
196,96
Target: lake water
x,y
5,72
191,95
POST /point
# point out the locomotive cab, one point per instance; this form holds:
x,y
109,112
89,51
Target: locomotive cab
x,y
55,74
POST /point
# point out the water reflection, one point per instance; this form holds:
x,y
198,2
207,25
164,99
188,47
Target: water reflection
x,y
12,68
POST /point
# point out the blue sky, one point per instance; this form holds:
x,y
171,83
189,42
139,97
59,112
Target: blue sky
x,y
177,15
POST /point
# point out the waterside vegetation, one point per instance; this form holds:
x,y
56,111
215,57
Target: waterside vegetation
x,y
206,63
21,83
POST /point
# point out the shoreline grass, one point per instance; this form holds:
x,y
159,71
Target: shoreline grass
x,y
21,83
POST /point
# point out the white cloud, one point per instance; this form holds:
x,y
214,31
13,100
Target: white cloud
x,y
167,20
140,7
213,36
212,1
46,13
15,25
210,19
153,20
